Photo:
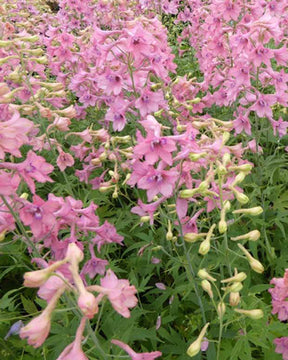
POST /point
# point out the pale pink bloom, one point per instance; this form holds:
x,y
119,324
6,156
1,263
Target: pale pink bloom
x,y
64,160
119,292
153,180
262,106
37,330
282,347
94,266
34,167
14,134
39,215
8,183
106,234
62,123
242,122
154,148
73,351
279,127
136,356
111,83
149,102
253,146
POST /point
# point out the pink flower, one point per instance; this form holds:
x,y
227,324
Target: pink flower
x,y
37,330
136,356
279,126
73,351
39,215
149,102
34,167
14,134
94,266
282,347
8,183
119,292
64,160
242,122
153,180
154,148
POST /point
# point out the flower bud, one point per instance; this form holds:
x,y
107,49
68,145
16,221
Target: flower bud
x,y
252,314
252,236
221,169
88,304
222,226
169,234
39,277
2,235
203,186
195,347
236,278
255,264
193,237
203,274
242,198
197,156
221,309
206,286
74,254
187,193
226,137
226,159
234,298
239,178
204,247
235,287
257,210
144,219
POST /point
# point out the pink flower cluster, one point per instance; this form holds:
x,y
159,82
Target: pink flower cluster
x,y
279,295
233,46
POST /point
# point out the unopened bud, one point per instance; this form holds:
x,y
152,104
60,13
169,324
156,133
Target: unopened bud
x,y
187,193
2,235
242,198
221,309
24,196
236,278
257,210
254,264
234,298
197,156
193,237
222,226
226,137
204,247
169,234
206,286
252,236
243,167
239,178
195,347
204,275
252,314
